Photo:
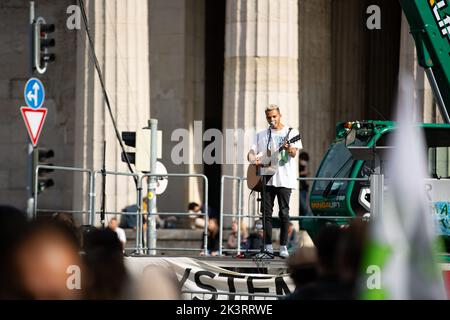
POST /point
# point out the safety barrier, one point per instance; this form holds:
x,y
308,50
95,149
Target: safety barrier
x,y
205,203
147,247
373,180
240,181
140,246
139,222
91,196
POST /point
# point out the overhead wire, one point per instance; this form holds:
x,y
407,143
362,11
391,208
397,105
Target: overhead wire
x,y
102,82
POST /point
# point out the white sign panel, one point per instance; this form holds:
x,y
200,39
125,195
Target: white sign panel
x,y
201,276
438,192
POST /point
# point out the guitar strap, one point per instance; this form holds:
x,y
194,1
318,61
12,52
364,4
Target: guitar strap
x,y
287,136
269,138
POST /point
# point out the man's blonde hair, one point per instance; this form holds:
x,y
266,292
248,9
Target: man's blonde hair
x,y
272,107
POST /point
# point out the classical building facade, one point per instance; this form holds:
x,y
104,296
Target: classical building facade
x,y
197,65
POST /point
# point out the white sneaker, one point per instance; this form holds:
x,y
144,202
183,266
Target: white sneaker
x,y
284,253
268,248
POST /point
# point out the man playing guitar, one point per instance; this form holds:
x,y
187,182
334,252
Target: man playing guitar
x,y
284,179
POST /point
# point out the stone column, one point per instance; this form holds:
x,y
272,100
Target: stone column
x,y
423,95
348,61
315,59
177,92
120,32
261,68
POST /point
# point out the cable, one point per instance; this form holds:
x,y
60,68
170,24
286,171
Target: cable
x,y
102,82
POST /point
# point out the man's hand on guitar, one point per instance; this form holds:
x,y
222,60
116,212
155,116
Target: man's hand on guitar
x,y
257,161
255,158
291,150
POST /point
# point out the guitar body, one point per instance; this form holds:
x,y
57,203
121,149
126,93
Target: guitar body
x,y
254,181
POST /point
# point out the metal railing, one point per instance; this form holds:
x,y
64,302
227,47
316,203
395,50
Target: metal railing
x,y
139,217
148,247
139,222
91,196
239,214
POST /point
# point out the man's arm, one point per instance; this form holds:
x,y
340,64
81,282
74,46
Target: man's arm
x,y
253,158
294,147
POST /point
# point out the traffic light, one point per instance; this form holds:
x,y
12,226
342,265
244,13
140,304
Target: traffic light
x,y
129,138
42,43
41,157
140,140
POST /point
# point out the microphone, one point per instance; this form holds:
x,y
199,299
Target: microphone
x,y
272,125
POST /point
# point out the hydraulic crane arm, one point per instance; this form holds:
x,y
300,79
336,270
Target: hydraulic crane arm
x,y
429,21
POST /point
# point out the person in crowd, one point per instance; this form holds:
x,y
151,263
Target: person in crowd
x,y
160,222
232,241
328,285
67,220
212,212
114,226
47,262
302,268
158,283
195,219
128,221
305,210
292,244
350,251
253,244
255,239
106,276
13,224
213,238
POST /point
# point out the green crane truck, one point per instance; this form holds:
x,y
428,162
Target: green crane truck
x,y
429,22
352,198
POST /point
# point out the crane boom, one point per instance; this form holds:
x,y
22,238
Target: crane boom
x,y
429,22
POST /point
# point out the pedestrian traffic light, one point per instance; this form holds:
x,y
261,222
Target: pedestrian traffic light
x,y
129,138
140,140
42,157
42,43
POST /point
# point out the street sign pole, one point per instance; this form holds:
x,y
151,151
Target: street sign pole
x,y
30,178
151,187
30,148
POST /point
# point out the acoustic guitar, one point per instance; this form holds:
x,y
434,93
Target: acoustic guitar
x,y
268,168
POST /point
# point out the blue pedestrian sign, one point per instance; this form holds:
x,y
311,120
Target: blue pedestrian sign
x,y
34,93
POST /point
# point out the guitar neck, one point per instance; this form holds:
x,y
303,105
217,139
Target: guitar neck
x,y
295,139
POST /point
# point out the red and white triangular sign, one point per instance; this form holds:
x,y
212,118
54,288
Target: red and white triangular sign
x,y
34,121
